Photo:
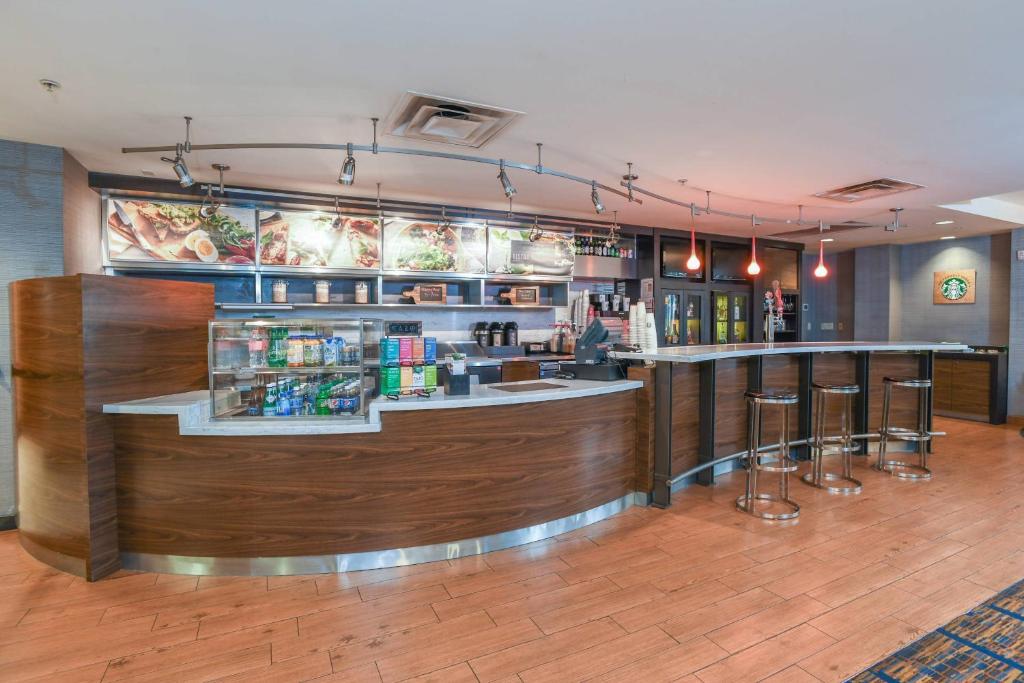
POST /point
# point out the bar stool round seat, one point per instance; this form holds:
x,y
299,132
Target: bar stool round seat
x,y
904,469
771,506
842,443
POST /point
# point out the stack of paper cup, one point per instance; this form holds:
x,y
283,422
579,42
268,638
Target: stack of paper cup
x,y
631,339
651,335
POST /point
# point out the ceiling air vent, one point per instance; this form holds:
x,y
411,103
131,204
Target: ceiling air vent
x,y
871,189
439,119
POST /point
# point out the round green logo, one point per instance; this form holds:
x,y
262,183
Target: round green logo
x,y
953,288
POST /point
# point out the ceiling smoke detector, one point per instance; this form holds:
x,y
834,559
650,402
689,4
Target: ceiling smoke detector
x,y
418,116
871,189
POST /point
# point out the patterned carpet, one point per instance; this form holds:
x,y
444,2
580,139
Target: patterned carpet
x,y
986,644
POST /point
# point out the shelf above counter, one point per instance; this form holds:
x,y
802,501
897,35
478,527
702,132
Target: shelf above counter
x,y
344,307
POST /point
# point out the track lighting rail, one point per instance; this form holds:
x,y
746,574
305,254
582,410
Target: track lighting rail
x,y
535,168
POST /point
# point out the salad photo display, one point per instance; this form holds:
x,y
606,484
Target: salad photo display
x,y
140,230
319,239
510,251
434,247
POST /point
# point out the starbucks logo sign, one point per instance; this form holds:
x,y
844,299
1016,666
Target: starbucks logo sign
x,y
953,288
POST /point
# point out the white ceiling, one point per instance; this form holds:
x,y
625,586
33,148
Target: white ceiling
x,y
767,101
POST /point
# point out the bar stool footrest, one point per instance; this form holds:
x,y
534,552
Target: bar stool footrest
x,y
743,505
907,434
854,486
905,470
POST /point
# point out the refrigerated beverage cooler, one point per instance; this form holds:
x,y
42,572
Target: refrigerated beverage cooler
x,y
732,317
682,317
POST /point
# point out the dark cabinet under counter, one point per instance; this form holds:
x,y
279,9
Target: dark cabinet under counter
x,y
971,385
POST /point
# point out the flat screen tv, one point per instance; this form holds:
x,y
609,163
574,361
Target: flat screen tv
x,y
729,263
673,259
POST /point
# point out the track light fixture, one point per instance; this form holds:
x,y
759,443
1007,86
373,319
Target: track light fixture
x,y
444,223
178,162
628,180
210,206
596,198
180,170
535,231
506,185
347,176
613,231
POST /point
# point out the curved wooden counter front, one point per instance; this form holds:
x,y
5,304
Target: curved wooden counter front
x,y
429,476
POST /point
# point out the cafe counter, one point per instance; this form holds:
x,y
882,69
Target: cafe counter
x,y
110,477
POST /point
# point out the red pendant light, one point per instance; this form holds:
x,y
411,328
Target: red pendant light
x,y
753,268
821,270
693,263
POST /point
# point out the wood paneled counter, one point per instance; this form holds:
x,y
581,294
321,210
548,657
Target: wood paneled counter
x,y
435,481
700,413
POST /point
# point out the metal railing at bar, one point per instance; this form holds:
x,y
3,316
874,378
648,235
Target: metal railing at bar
x,y
869,436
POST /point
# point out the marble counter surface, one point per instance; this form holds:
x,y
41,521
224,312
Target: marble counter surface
x,y
697,354
193,408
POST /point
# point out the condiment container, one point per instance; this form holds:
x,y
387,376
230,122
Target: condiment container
x,y
323,291
362,292
279,291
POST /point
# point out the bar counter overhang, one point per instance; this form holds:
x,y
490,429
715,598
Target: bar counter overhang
x,y
700,413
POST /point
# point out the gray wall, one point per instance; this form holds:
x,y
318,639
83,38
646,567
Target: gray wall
x,y
984,322
1016,325
876,287
31,245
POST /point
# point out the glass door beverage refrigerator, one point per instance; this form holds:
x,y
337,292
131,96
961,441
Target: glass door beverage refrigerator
x,y
732,317
682,315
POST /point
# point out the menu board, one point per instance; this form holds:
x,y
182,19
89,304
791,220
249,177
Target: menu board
x,y
510,251
319,239
141,230
434,247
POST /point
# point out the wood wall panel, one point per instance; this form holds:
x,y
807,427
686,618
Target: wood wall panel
x,y
730,406
79,342
428,477
644,480
904,408
685,416
972,382
780,373
834,368
943,384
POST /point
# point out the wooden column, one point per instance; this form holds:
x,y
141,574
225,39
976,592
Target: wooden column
x,y
79,342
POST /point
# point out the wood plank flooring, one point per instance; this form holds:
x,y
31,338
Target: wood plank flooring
x,y
697,593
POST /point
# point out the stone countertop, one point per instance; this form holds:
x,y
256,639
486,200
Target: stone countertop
x,y
193,408
697,354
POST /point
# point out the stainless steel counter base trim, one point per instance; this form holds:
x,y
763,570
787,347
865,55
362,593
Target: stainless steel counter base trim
x,y
377,559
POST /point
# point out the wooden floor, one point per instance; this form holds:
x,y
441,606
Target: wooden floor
x,y
695,593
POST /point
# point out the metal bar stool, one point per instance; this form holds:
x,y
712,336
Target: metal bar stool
x,y
758,461
842,443
901,468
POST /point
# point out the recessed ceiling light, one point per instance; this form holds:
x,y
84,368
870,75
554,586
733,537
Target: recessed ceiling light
x,y
829,239
943,222
948,237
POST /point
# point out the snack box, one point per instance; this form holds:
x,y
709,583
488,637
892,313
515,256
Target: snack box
x,y
389,351
430,377
430,350
406,379
418,378
405,350
391,380
417,350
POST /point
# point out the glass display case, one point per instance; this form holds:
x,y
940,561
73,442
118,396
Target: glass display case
x,y
732,314
293,368
681,314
